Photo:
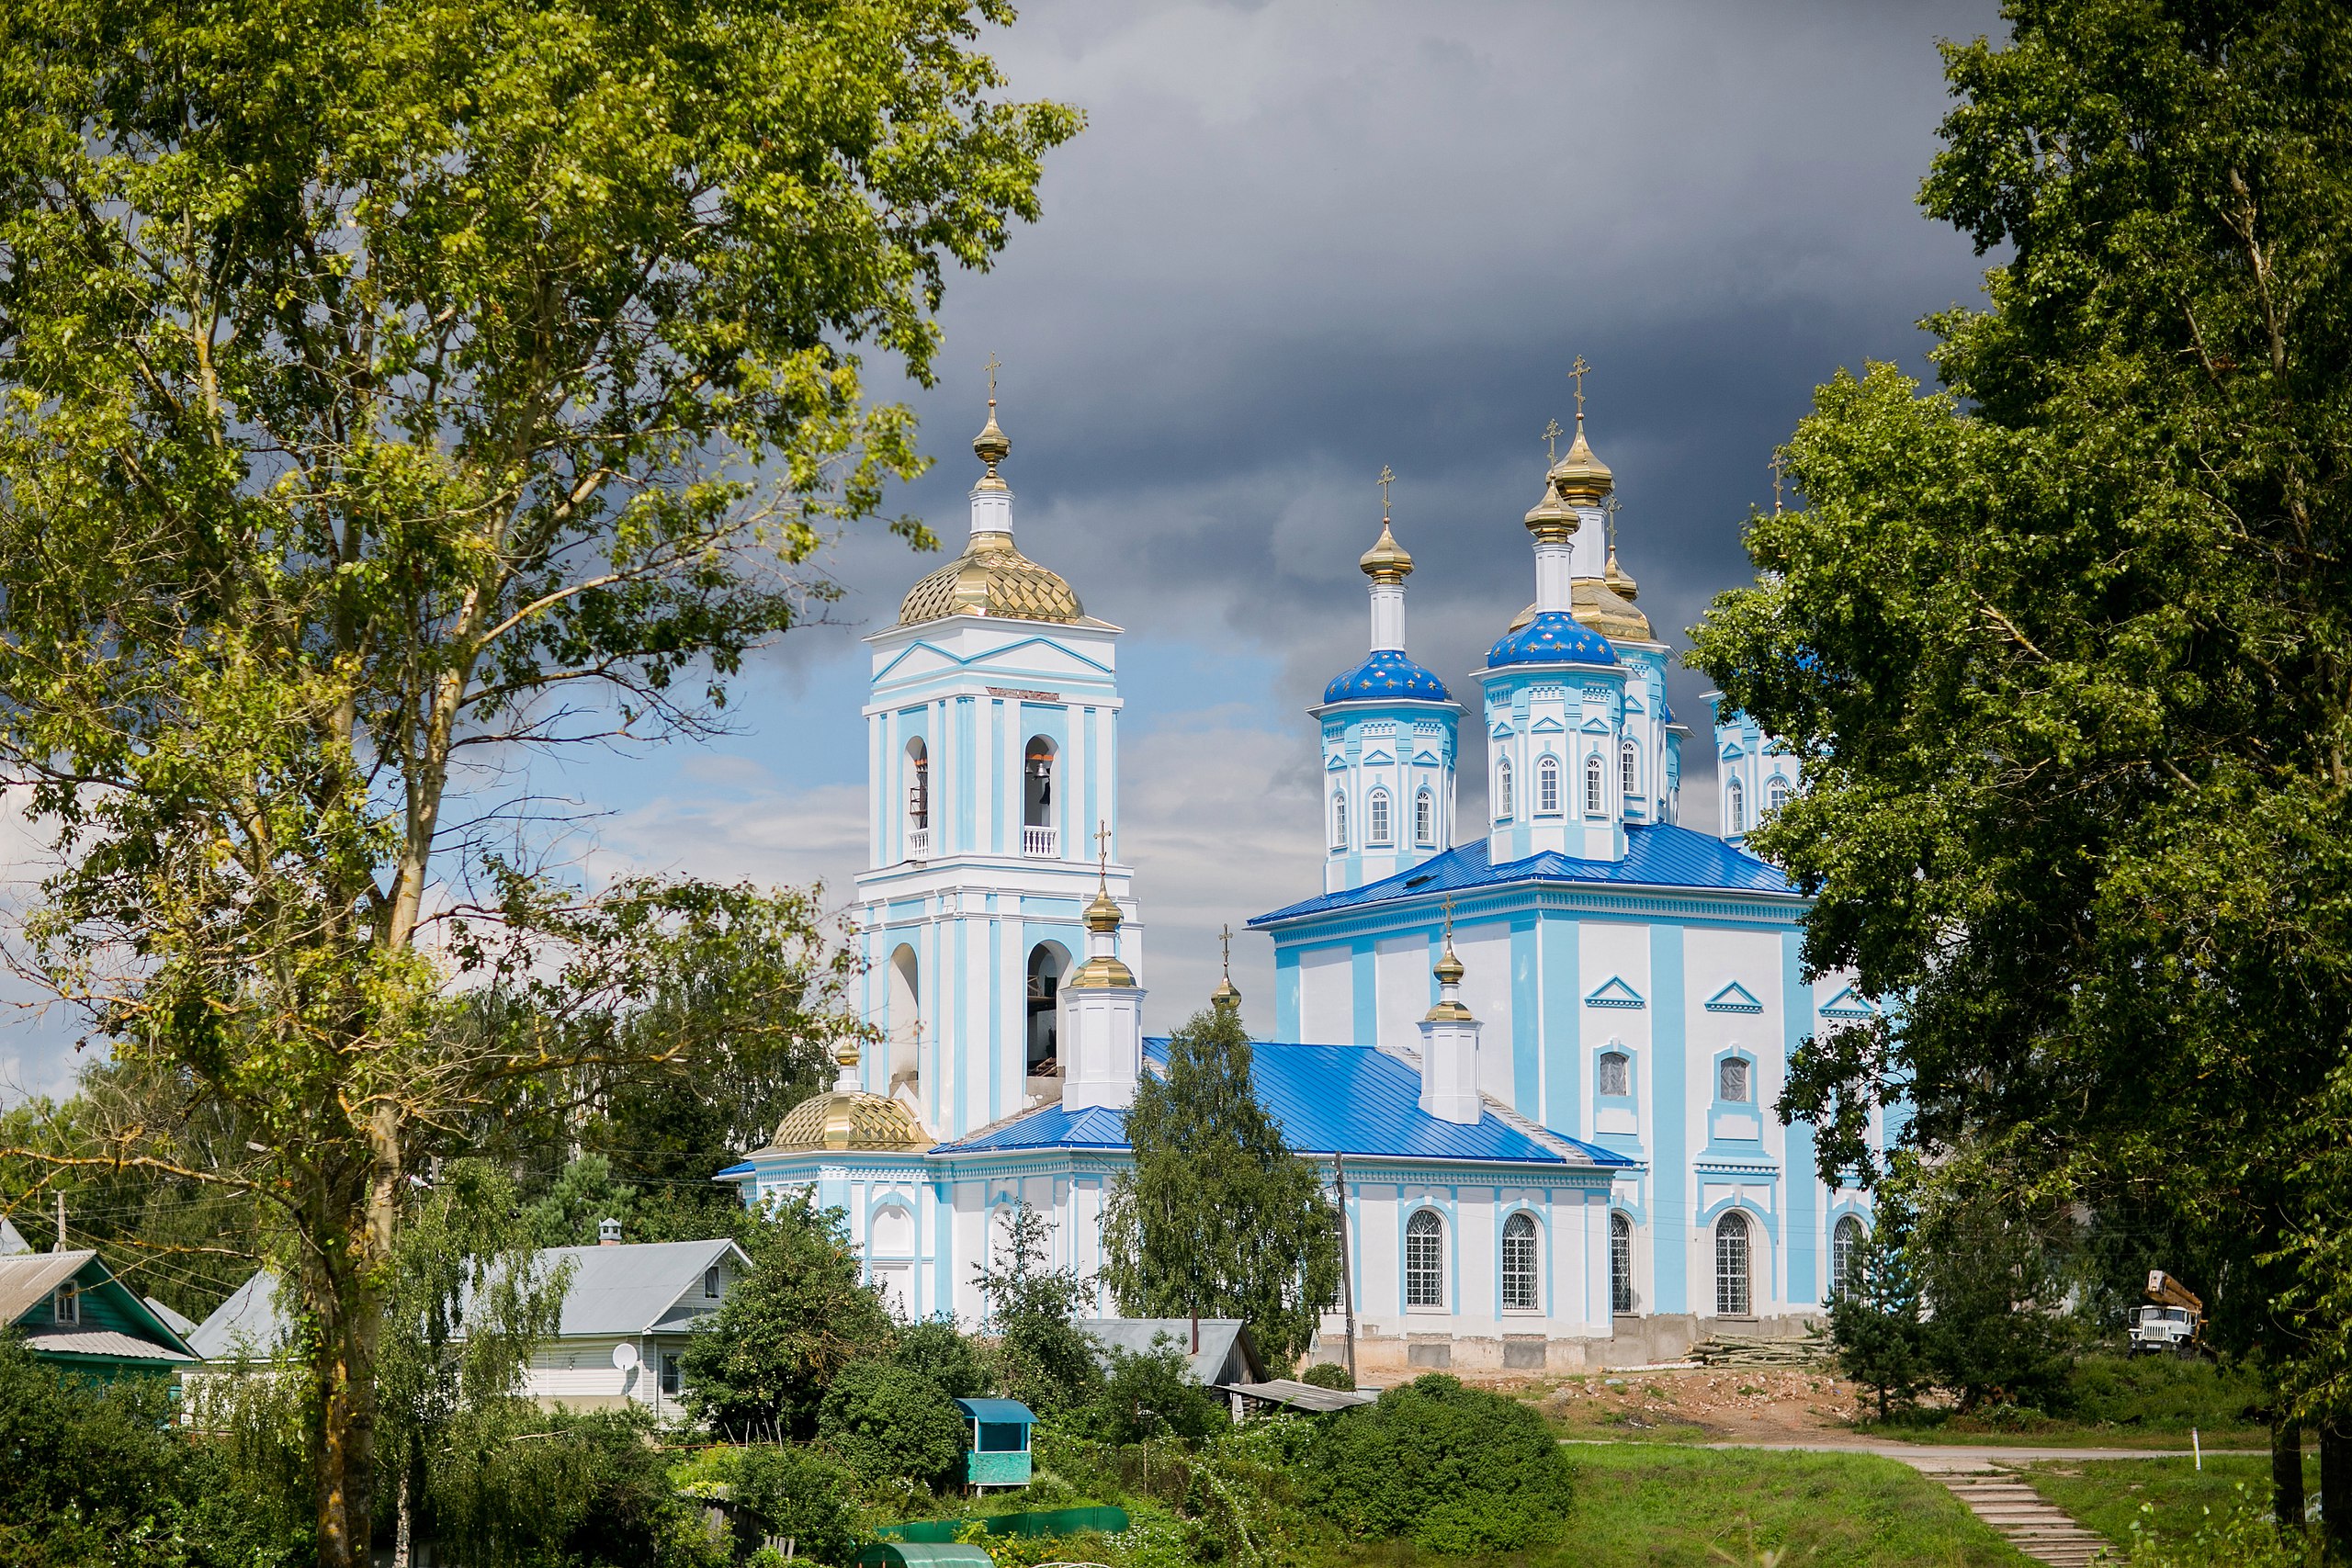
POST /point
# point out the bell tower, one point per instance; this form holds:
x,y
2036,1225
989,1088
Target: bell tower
x,y
992,736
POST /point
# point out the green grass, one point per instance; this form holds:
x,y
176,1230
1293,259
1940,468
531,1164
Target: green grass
x,y
1652,1506
2110,1401
2106,1494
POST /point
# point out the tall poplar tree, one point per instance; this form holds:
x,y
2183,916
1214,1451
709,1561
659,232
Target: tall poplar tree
x,y
1219,1218
2067,648
386,385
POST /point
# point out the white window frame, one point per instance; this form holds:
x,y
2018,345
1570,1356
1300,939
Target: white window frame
x,y
65,1304
1735,1265
1378,829
1425,1260
1595,799
1847,1239
1503,803
1547,785
1735,806
1425,819
1522,1276
1629,773
1776,793
1339,820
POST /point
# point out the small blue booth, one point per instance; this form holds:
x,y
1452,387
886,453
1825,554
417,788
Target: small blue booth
x,y
999,1451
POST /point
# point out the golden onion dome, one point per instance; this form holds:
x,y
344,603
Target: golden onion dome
x,y
1386,561
1449,970
1549,520
850,1119
1600,608
1619,583
1102,969
1226,995
991,578
1578,475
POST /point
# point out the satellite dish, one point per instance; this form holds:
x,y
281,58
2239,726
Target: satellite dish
x,y
624,1357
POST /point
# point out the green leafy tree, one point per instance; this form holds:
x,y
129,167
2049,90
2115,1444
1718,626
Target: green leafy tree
x,y
516,1487
584,1195
1995,1329
891,1423
1874,1322
2063,647
1152,1394
1218,1218
1044,1357
388,386
801,1496
941,1352
1455,1469
759,1365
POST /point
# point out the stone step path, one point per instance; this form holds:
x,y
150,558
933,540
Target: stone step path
x,y
2022,1517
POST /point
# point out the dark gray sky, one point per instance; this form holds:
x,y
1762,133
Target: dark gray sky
x,y
1299,240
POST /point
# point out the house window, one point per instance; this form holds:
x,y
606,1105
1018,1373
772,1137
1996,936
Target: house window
x,y
669,1374
1621,1263
1616,1073
1518,1263
1845,1255
1731,1266
1736,806
1592,786
1424,821
65,1304
710,1283
1425,1260
1776,794
1502,791
1547,786
1378,813
1625,767
1732,1083
1338,821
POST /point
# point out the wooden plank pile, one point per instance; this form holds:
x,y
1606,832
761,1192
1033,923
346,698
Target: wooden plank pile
x,y
1733,1351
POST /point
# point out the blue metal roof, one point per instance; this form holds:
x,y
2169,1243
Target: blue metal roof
x,y
1348,1100
1386,673
1552,637
1656,855
998,1411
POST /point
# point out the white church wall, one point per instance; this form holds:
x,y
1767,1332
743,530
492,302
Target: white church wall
x,y
1327,995
1401,968
1608,950
1485,952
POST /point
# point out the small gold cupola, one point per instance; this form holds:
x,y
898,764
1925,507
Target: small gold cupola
x,y
848,1117
1227,998
991,578
1102,969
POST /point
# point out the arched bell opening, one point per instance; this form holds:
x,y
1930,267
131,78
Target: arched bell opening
x,y
1040,1051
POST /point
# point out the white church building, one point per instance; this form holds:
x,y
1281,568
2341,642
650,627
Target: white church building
x,y
1535,1060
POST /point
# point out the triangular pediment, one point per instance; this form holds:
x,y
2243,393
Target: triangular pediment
x,y
1426,760
1849,1003
1024,663
1381,757
1548,725
1338,764
1596,726
1732,752
1734,997
1502,731
1615,993
1634,704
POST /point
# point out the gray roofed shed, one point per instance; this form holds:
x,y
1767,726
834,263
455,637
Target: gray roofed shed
x,y
1225,1354
248,1324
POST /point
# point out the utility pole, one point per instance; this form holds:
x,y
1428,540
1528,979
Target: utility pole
x,y
1347,1271
60,1221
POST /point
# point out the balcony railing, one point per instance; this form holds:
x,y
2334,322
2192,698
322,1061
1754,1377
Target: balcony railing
x,y
1040,844
918,843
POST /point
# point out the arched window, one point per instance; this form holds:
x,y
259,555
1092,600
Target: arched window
x,y
1338,821
1592,786
1621,1263
1732,1084
1424,821
1731,1266
1776,794
1502,791
1376,818
905,1003
918,784
1044,1054
1625,755
1845,1255
1037,782
1518,1263
1425,1259
1616,1073
1547,786
1736,806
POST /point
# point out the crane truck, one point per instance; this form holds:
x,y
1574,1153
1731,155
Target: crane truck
x,y
2173,1321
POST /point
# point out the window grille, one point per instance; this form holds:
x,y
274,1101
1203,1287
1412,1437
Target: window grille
x,y
1616,1073
1425,1260
1547,786
1502,790
1625,767
1424,819
1621,1263
1339,821
1592,786
1518,1263
1732,1080
1845,1255
1731,1266
1379,817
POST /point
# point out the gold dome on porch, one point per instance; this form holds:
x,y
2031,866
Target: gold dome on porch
x,y
991,578
846,1118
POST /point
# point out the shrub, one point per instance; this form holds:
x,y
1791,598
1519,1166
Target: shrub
x,y
953,1360
890,1422
1329,1374
516,1487
799,1494
1458,1470
1152,1394
2161,1392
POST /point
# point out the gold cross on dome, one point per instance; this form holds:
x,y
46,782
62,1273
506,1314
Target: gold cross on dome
x,y
1225,941
1552,433
992,367
1448,907
1576,373
1779,461
1102,850
1385,479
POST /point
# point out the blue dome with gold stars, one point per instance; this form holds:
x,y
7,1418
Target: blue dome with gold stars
x,y
1386,673
1552,637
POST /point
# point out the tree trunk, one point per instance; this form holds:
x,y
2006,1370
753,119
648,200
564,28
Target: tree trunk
x,y
2287,1474
2336,1489
404,1529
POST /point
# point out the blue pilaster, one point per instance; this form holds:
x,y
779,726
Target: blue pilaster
x,y
1526,1020
1670,1191
1801,1182
1562,1027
